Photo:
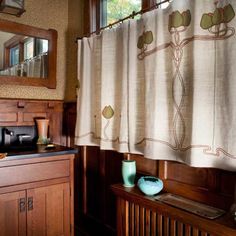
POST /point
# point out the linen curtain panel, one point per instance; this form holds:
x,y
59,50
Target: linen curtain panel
x,y
33,67
163,86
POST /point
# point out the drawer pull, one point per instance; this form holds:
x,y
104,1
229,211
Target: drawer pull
x,y
30,204
22,204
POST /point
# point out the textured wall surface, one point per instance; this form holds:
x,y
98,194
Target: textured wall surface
x,y
75,29
44,14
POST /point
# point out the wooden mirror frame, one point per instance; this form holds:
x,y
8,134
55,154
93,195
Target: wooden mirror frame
x,y
51,36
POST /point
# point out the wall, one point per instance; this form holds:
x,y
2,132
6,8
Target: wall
x,y
49,14
75,29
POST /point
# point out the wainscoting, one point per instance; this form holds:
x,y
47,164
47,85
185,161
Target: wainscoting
x,y
23,112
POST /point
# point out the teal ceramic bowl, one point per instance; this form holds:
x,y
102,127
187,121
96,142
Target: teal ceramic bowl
x,y
150,185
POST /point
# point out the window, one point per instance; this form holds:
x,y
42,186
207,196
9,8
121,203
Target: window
x,y
164,4
21,48
14,55
114,10
41,46
28,48
101,13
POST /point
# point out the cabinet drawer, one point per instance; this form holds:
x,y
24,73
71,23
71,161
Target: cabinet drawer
x,y
27,173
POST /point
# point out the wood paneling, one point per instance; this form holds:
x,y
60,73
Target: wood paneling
x,y
23,112
8,117
211,186
28,117
69,120
145,166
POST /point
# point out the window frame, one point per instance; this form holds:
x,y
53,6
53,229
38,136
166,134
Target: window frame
x,y
20,41
93,13
15,41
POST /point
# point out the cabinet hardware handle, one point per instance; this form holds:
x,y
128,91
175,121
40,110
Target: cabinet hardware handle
x,y
22,204
30,204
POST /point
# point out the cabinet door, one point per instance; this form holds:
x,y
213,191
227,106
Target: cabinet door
x,y
49,210
13,214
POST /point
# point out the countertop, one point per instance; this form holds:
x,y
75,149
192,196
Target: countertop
x,y
39,151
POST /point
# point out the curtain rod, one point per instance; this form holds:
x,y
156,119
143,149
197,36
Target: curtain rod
x,y
126,18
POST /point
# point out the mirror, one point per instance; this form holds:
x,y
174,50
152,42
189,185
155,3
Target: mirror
x,y
27,55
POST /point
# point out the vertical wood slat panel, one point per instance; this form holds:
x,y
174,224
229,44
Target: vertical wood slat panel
x,y
126,218
153,224
180,229
188,230
173,227
166,226
195,232
132,219
204,234
160,225
137,220
147,222
142,221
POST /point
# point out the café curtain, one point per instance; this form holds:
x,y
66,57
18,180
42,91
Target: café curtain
x,y
163,86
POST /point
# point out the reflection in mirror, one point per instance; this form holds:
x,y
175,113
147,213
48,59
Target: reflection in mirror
x,y
22,55
27,55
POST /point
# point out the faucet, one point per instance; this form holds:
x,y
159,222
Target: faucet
x,y
7,136
24,138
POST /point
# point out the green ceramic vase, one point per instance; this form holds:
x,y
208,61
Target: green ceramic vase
x,y
128,172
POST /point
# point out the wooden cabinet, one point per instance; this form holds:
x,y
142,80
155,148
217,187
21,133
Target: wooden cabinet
x,y
48,210
13,214
38,199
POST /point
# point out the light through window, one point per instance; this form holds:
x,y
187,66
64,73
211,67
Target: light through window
x,y
114,10
163,5
41,46
28,48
